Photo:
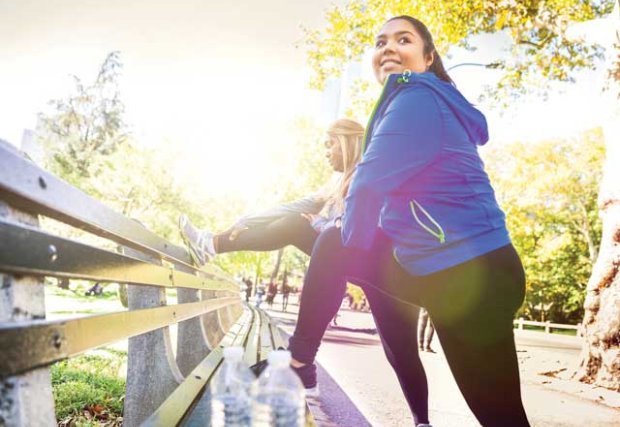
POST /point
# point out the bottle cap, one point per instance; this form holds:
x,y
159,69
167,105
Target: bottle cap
x,y
233,354
279,358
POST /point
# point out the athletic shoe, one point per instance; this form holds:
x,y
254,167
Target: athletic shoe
x,y
307,375
199,242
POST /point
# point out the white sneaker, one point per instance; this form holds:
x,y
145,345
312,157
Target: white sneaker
x,y
198,242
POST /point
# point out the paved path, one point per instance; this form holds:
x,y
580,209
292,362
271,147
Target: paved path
x,y
352,355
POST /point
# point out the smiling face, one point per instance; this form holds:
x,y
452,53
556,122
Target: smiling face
x,y
399,47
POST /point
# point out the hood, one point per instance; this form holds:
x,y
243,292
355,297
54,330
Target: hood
x,y
472,120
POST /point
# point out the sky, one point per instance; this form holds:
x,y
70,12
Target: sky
x,y
221,81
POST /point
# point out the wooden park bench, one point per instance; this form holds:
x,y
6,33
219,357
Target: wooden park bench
x,y
162,389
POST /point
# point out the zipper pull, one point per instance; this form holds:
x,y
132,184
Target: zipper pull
x,y
404,78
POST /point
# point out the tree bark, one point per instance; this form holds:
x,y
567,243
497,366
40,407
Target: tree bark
x,y
586,231
600,357
276,268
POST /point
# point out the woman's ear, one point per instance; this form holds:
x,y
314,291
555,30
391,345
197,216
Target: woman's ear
x,y
430,59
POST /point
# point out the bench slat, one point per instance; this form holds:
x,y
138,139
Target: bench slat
x,y
32,189
175,408
250,356
25,250
28,345
266,340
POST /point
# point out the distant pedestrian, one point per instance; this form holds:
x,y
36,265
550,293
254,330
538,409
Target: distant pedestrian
x,y
248,289
286,290
272,290
260,292
426,331
349,299
96,290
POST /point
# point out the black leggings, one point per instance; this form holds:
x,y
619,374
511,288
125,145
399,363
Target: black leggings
x,y
296,230
291,229
472,306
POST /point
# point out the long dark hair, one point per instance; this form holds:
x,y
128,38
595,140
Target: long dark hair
x,y
429,47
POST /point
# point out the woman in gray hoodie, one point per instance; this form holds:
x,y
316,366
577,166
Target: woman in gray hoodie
x,y
297,223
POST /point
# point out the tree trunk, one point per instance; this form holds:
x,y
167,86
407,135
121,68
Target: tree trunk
x,y
600,357
276,269
586,231
258,272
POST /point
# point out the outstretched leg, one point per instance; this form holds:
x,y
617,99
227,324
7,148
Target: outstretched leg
x,y
291,229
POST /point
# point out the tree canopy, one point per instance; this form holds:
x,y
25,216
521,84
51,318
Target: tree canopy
x,y
549,190
540,51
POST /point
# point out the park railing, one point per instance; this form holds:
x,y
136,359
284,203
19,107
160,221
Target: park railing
x,y
161,389
547,326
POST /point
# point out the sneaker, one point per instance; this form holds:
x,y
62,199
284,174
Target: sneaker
x,y
307,375
198,242
424,425
430,350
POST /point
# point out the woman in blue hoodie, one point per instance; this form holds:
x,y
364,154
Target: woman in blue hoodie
x,y
422,226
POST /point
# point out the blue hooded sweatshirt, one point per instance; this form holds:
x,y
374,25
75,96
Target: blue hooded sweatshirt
x,y
421,179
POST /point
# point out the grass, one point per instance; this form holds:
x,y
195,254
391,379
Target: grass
x,y
89,390
569,332
63,303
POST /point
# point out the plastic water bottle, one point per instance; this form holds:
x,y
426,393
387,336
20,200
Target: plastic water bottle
x,y
279,395
231,401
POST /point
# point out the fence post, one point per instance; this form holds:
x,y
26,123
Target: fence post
x,y
25,400
547,327
152,372
520,322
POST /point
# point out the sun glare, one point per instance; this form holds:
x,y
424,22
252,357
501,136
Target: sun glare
x,y
232,136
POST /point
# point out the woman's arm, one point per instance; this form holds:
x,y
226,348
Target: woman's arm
x,y
406,140
310,204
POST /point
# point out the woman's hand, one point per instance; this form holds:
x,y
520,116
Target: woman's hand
x,y
311,217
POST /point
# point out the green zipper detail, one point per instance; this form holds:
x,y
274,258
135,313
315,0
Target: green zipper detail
x,y
439,235
404,78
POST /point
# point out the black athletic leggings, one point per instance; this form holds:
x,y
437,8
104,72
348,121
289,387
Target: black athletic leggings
x,y
291,229
472,306
296,230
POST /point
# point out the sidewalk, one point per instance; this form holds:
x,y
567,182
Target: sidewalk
x,y
352,355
